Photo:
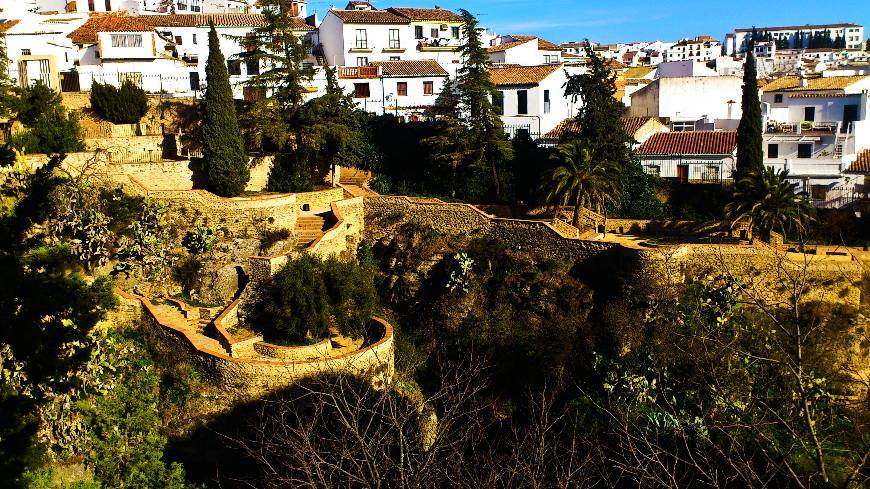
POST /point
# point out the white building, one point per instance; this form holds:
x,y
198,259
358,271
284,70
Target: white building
x,y
141,7
690,157
691,103
524,51
789,36
701,48
816,127
363,35
38,48
531,98
402,88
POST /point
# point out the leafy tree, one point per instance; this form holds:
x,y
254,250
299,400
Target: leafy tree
x,y
146,246
750,156
279,52
581,181
769,201
309,294
226,162
125,105
639,197
487,142
36,100
600,118
448,145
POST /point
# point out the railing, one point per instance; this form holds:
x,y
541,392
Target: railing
x,y
690,171
359,72
797,128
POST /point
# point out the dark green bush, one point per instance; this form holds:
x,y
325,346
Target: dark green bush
x,y
35,101
290,174
125,105
55,131
308,295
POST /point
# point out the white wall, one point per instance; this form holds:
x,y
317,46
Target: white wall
x,y
540,121
689,99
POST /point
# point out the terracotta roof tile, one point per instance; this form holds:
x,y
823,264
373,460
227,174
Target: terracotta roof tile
x,y
571,126
410,68
219,20
862,164
369,17
505,46
690,143
793,83
633,124
543,44
87,33
8,24
513,75
432,14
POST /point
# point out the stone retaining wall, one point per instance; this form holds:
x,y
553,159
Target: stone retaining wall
x,y
293,352
383,214
375,361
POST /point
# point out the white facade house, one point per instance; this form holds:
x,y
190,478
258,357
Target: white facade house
x,y
524,51
816,127
852,34
360,36
531,98
405,89
690,157
701,48
143,7
691,103
38,48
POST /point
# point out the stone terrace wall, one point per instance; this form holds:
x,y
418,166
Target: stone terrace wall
x,y
240,215
383,214
252,376
664,228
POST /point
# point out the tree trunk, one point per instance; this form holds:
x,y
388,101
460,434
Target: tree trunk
x,y
575,221
496,180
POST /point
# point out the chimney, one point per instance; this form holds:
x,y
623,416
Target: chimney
x,y
803,77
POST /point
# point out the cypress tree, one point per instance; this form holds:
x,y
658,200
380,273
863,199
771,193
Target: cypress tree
x,y
749,141
226,162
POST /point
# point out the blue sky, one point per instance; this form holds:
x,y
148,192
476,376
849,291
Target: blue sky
x,y
636,20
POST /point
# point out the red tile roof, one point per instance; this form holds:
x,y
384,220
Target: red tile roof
x,y
862,164
690,143
571,126
410,68
543,44
8,24
219,20
431,14
514,75
87,33
369,17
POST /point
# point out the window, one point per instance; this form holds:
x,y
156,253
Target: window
x,y
809,113
402,89
710,173
777,99
394,39
91,6
498,102
181,5
252,66
108,5
126,40
428,88
654,170
194,38
546,101
234,67
805,150
418,32
454,32
178,40
362,39
395,58
362,61
194,81
434,32
522,102
361,90
25,52
818,192
195,5
682,126
134,78
773,151
252,94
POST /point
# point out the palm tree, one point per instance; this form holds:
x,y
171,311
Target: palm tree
x,y
770,202
580,181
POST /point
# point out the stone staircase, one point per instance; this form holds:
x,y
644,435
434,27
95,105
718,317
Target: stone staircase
x,y
309,227
352,176
175,317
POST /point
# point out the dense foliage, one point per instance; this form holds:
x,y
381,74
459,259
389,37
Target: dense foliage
x,y
125,105
223,150
50,127
309,295
750,157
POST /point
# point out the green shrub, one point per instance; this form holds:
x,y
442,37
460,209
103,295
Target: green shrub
x,y
199,240
307,295
272,236
35,101
125,105
55,131
290,174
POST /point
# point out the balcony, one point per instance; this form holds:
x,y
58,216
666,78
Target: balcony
x,y
362,48
358,72
807,128
438,44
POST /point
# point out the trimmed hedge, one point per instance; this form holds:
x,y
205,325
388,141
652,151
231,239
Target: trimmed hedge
x,y
125,105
